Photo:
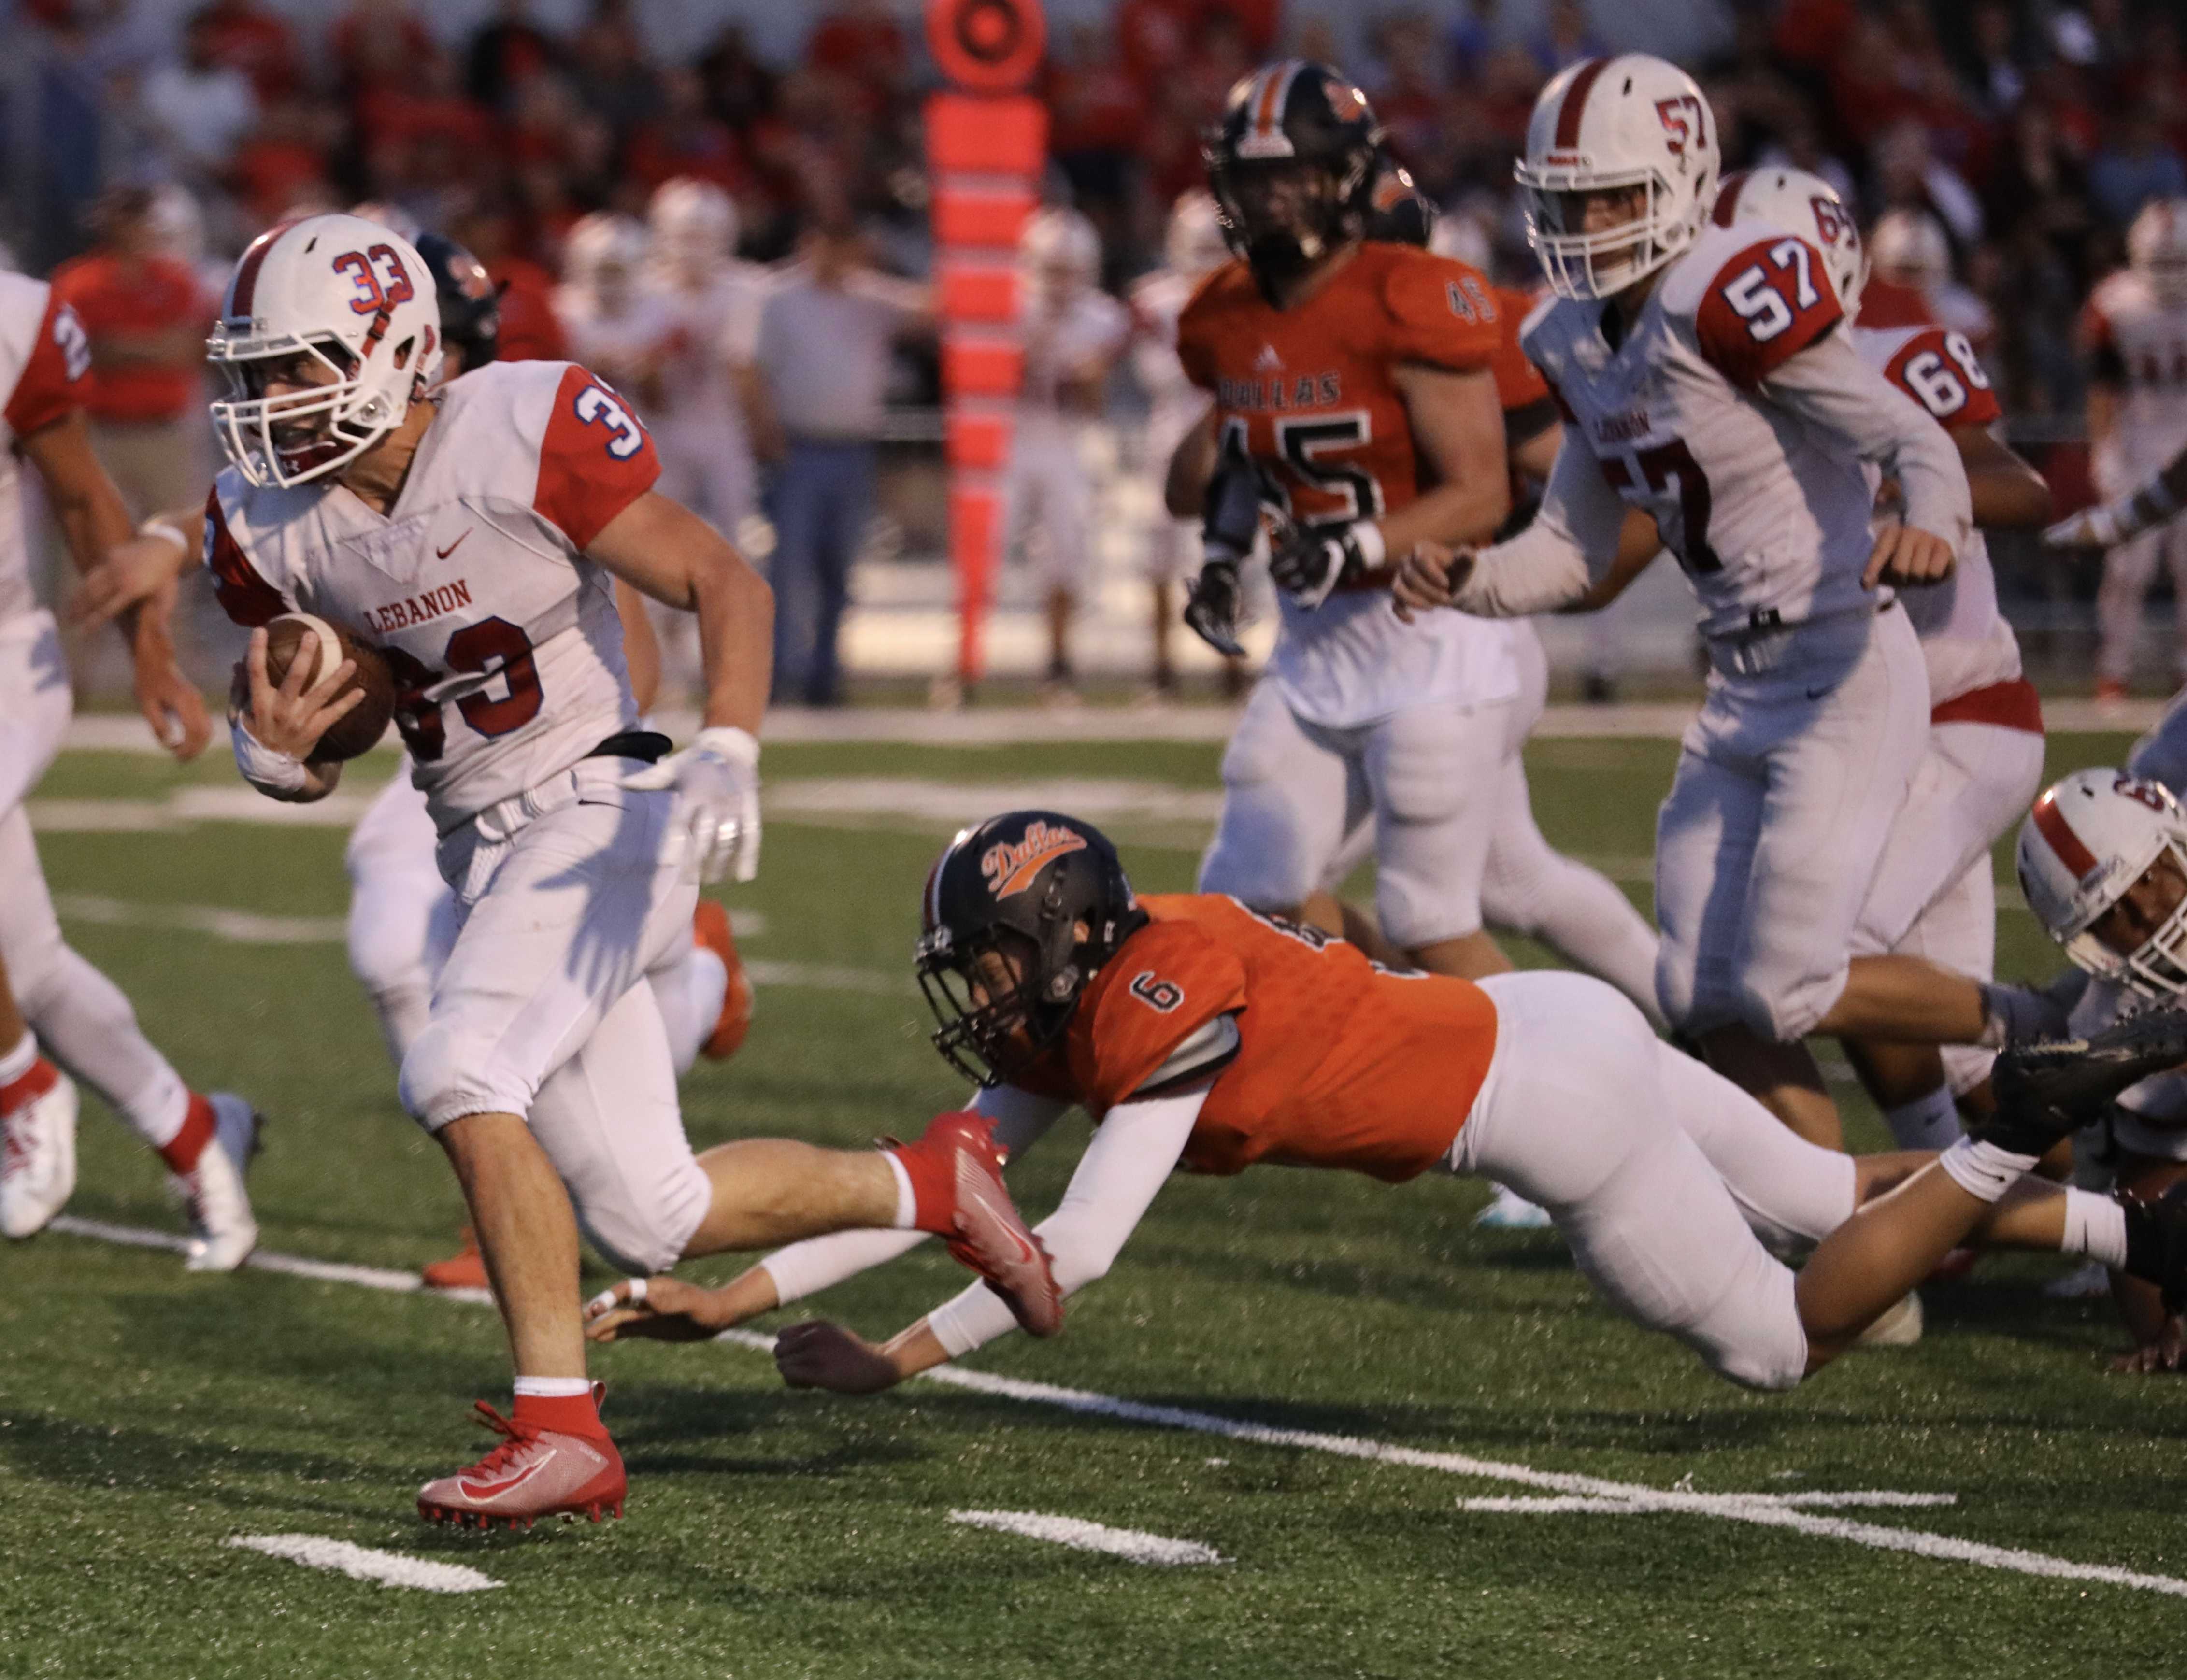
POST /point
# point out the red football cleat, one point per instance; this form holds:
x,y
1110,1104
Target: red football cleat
x,y
956,1173
534,1473
710,927
463,1270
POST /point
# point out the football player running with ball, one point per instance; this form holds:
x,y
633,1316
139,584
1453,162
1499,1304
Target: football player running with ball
x,y
1354,396
472,534
1198,1034
1707,388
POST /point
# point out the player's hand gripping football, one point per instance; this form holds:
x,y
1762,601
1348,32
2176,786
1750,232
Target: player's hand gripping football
x,y
287,720
1905,555
1210,607
817,1354
716,784
1430,576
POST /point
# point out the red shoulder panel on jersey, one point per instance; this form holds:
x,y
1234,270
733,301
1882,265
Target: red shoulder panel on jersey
x,y
1167,982
246,597
595,460
1939,370
57,376
1765,305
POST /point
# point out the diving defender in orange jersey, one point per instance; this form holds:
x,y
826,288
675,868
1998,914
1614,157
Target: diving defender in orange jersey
x,y
1200,1035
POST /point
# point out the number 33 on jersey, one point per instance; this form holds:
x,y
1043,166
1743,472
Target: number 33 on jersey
x,y
504,637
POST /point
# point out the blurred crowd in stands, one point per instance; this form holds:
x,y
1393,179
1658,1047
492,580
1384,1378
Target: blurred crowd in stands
x,y
1996,150
2029,131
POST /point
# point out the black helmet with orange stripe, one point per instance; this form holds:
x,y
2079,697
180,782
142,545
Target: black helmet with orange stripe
x,y
1292,166
1019,914
1397,211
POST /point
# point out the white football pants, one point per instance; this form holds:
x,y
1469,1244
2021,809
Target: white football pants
x,y
567,898
1427,776
402,922
80,1016
2128,570
1048,503
1934,893
1768,843
1664,1176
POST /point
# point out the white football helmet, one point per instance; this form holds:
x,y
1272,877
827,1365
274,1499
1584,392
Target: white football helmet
x,y
2088,841
1803,204
1060,245
341,313
1909,246
2156,246
1629,121
1194,244
693,223
604,252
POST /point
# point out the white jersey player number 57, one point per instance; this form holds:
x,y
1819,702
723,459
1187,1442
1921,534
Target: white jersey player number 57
x,y
597,405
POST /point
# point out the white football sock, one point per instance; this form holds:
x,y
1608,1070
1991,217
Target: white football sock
x,y
88,1026
689,993
19,1060
554,1388
2095,1226
907,1202
1984,1170
1929,1122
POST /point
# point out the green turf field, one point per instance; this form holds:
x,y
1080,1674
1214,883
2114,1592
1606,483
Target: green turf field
x,y
1399,1364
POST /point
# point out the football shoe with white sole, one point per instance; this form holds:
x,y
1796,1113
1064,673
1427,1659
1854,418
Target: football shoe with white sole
x,y
37,1151
222,1232
533,1473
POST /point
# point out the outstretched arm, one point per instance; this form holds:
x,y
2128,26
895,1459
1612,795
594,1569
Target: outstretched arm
x,y
1124,1167
668,1309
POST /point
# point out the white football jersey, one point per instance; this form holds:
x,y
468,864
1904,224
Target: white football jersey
x,y
622,348
1092,325
45,361
1965,639
504,637
1157,300
2140,344
711,329
1768,513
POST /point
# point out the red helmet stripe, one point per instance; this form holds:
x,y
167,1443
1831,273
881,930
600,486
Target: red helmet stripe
x,y
1727,203
2051,822
243,290
1575,104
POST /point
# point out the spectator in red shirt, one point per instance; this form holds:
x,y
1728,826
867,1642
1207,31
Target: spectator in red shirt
x,y
282,163
376,44
507,53
146,318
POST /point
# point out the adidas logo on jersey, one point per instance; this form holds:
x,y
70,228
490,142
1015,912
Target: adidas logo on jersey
x,y
1268,360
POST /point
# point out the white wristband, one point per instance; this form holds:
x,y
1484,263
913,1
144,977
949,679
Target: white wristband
x,y
726,740
166,531
269,771
1373,549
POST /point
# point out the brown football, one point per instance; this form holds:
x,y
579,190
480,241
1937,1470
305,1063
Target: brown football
x,y
359,731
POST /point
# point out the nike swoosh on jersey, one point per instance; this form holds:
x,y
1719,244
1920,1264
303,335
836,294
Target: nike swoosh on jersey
x,y
443,553
494,1490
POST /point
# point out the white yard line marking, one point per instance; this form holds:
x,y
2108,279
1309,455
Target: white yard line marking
x,y
237,927
362,1563
1766,1511
1128,1543
1544,1508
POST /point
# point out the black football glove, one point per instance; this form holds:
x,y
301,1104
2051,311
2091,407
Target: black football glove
x,y
1210,606
1311,564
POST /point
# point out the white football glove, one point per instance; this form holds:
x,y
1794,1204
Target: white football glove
x,y
2105,525
716,784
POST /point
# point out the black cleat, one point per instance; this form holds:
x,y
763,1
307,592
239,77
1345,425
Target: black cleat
x,y
2157,1241
2047,1090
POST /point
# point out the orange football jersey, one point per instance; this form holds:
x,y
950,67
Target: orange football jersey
x,y
1340,1063
1314,388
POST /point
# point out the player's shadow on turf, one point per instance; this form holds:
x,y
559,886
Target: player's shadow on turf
x,y
283,1330
215,1467
652,1421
